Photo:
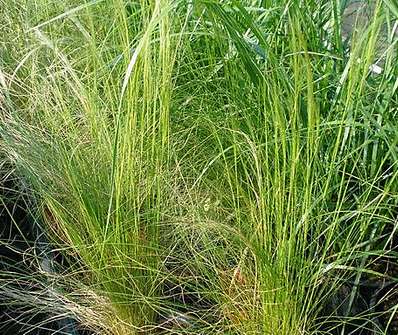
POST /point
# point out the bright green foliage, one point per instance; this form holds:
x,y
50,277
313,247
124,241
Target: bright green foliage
x,y
242,152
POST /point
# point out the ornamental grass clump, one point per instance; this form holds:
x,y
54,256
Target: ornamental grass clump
x,y
207,167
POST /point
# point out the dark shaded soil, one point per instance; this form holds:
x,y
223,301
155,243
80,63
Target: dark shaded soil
x,y
375,306
19,234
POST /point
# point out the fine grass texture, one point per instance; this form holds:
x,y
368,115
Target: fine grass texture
x,y
203,167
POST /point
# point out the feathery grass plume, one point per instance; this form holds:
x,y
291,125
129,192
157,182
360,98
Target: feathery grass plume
x,y
91,135
214,166
286,146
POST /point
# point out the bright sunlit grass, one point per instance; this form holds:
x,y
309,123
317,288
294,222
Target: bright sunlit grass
x,y
205,167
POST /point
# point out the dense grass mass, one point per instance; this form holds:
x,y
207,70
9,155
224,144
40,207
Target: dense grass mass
x,y
204,167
